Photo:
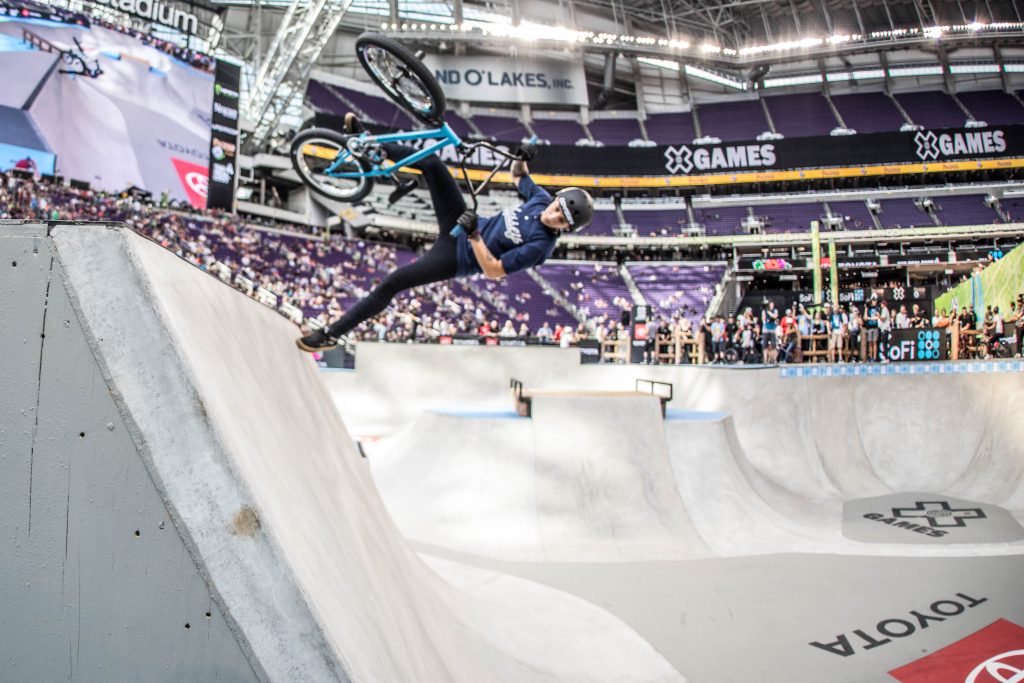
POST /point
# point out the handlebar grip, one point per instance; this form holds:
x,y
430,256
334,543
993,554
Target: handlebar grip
x,y
456,231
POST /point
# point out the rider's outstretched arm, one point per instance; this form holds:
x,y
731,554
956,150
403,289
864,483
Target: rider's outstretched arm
x,y
518,171
489,263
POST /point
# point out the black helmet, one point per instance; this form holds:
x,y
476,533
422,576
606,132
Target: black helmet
x,y
576,205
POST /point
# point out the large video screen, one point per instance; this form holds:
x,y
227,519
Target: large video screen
x,y
102,105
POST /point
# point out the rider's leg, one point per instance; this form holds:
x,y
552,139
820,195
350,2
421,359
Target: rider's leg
x,y
439,263
444,191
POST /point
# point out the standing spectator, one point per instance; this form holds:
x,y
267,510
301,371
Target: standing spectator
x,y
838,326
902,319
856,334
917,317
769,328
790,336
747,343
871,330
566,339
718,340
704,337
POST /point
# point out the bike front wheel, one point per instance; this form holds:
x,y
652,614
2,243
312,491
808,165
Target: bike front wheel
x,y
314,154
404,78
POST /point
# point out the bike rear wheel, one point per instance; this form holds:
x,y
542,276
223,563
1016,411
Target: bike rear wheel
x,y
314,151
401,75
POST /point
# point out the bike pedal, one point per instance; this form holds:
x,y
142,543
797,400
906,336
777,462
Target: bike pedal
x,y
420,54
404,188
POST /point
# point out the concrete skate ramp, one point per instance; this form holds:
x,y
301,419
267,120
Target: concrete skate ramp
x,y
762,463
181,501
587,479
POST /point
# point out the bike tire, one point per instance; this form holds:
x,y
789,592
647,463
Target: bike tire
x,y
430,105
349,191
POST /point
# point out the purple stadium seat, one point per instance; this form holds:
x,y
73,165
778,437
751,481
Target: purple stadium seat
x,y
677,288
994,107
615,131
801,115
932,109
732,121
855,214
965,210
903,213
668,222
558,131
502,128
870,112
671,129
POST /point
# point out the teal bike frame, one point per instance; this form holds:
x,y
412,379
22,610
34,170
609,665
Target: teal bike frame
x,y
441,137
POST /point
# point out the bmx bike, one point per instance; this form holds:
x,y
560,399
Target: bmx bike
x,y
344,167
76,64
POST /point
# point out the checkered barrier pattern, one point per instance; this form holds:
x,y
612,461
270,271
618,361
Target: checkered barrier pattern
x,y
940,368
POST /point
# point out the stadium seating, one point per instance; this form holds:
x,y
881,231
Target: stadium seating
x,y
559,131
872,112
789,217
377,109
855,214
932,109
503,128
725,220
965,210
684,288
603,223
617,131
671,128
732,121
596,289
994,107
668,222
903,213
801,115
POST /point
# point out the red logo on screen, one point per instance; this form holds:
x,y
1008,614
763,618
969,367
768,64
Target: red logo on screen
x,y
640,331
995,654
195,179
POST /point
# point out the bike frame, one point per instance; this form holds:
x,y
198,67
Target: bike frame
x,y
441,137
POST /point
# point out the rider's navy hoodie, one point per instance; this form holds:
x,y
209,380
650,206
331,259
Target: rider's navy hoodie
x,y
516,235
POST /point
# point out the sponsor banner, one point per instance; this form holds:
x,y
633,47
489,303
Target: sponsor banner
x,y
638,332
161,12
224,136
590,351
932,148
916,345
515,81
893,296
927,518
995,654
618,167
194,181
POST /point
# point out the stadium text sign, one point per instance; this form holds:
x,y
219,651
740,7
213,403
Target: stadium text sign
x,y
523,80
157,12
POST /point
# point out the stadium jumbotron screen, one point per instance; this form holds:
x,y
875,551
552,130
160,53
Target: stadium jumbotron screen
x,y
114,108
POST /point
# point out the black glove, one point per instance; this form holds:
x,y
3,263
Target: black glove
x,y
527,151
467,221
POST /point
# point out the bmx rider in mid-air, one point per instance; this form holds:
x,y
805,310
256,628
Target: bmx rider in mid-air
x,y
515,239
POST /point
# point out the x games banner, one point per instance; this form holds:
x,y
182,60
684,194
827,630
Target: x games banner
x,y
224,137
796,153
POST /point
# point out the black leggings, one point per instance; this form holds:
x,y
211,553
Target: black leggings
x,y
439,263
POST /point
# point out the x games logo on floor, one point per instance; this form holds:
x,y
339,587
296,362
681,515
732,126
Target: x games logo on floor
x,y
938,514
929,518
